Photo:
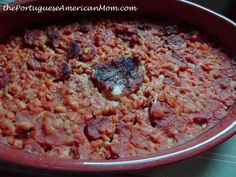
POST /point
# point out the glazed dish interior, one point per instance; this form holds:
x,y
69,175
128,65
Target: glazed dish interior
x,y
111,88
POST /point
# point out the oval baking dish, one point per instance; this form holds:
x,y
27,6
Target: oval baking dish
x,y
204,19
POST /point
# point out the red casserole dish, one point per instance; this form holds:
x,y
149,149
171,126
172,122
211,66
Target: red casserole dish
x,y
214,24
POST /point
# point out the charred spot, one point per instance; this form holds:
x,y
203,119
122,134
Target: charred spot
x,y
53,39
122,76
4,79
73,50
170,29
64,73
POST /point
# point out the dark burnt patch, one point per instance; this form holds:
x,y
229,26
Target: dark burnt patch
x,y
118,77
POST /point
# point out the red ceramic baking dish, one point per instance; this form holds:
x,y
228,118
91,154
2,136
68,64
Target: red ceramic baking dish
x,y
212,23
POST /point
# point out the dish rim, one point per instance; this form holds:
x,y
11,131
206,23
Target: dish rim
x,y
219,133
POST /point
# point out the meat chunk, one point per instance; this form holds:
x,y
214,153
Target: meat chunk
x,y
98,128
118,77
35,37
